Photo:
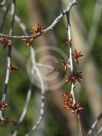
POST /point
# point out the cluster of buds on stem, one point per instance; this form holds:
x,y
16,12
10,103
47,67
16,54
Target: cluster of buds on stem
x,y
70,105
67,42
76,55
66,64
3,105
3,120
4,41
37,29
6,121
72,78
28,42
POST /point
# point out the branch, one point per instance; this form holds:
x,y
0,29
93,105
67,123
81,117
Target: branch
x,y
70,61
49,28
9,46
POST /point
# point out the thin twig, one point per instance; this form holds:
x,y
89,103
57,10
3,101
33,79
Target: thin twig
x,y
9,55
60,7
9,47
70,60
4,18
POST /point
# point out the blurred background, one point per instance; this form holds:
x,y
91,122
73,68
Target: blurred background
x,y
86,24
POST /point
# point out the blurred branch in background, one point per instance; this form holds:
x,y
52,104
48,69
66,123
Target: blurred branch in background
x,y
96,128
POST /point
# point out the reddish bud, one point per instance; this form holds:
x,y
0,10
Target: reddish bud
x,y
66,64
37,29
67,42
13,68
28,42
3,105
76,55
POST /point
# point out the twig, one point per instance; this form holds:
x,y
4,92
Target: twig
x,y
9,46
18,21
70,60
60,7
